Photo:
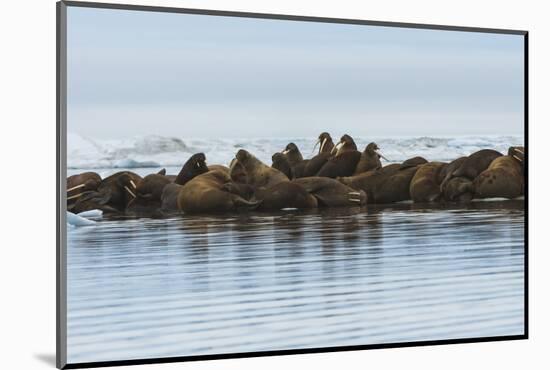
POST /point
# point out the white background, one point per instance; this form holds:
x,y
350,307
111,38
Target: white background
x,y
27,144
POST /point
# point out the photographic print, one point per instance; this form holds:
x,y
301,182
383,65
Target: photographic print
x,y
244,185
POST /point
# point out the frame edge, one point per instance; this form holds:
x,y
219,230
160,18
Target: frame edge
x,y
61,172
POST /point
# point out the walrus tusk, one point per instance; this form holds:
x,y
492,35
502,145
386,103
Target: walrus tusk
x,y
129,191
518,150
76,187
75,196
322,145
518,158
285,151
337,147
315,146
354,193
133,184
233,164
355,200
381,156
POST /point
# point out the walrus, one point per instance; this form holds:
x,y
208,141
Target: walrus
x,y
458,189
332,193
296,160
211,192
344,161
476,163
370,159
447,172
285,195
313,166
113,194
81,183
413,162
388,184
271,186
280,162
325,141
518,153
293,154
148,194
503,178
195,165
424,185
258,173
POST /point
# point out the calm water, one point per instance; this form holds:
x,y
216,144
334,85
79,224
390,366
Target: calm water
x,y
141,288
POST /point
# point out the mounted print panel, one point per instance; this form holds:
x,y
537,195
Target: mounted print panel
x,y
238,184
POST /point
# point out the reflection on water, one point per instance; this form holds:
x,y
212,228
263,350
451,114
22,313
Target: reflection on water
x,y
142,288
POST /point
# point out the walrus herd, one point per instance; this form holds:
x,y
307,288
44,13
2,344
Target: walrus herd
x,y
339,175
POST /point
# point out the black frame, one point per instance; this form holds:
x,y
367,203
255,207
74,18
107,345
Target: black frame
x,y
61,106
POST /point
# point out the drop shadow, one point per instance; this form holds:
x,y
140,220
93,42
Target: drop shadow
x,y
47,358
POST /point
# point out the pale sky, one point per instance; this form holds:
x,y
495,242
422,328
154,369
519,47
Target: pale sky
x,y
133,73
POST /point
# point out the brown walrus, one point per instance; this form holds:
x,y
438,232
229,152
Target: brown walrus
x,y
195,165
271,187
280,162
503,178
476,163
388,184
424,185
113,194
313,166
332,193
148,194
258,174
81,183
518,153
458,189
344,161
447,172
211,192
370,159
325,142
413,162
293,154
295,160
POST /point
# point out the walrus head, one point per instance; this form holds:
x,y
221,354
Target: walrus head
x,y
237,172
195,165
126,182
247,159
373,150
293,154
517,152
346,143
326,143
281,163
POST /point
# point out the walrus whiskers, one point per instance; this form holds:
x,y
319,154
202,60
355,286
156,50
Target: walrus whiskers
x,y
76,187
129,191
75,196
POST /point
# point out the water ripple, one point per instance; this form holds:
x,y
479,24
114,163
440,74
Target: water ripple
x,y
142,288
